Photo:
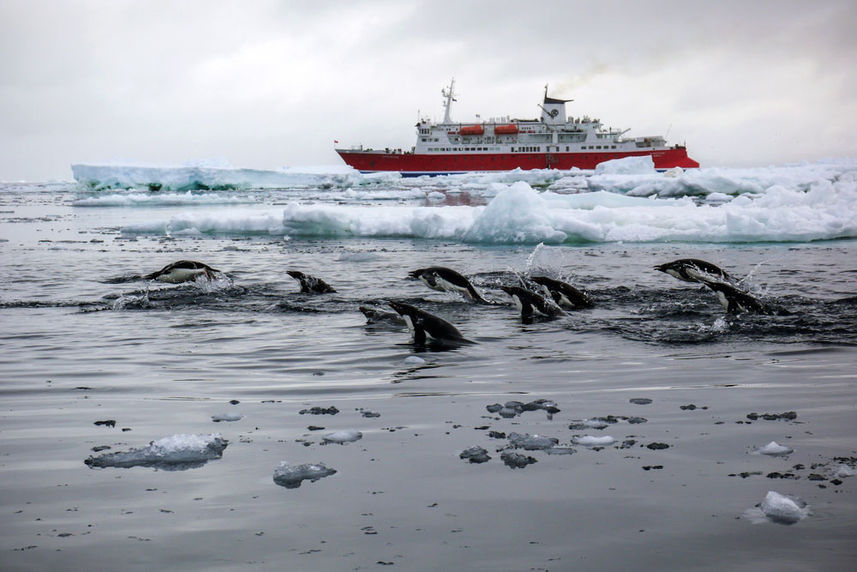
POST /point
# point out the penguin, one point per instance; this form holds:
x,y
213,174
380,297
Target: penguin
x,y
531,304
425,326
735,301
448,280
377,316
565,295
182,271
311,284
694,270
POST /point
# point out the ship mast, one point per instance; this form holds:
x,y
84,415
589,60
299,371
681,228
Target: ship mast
x,y
449,96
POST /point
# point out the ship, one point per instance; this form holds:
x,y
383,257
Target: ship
x,y
552,141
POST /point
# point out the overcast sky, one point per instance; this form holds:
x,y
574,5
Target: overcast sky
x,y
268,84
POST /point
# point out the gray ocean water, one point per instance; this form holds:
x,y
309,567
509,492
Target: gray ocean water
x,y
85,340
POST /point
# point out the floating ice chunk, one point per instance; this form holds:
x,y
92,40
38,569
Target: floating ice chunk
x,y
843,471
784,509
595,423
626,166
177,452
291,477
218,417
592,441
774,449
531,442
516,460
344,436
414,361
475,455
561,451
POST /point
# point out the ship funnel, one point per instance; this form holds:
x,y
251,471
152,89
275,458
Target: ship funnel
x,y
553,110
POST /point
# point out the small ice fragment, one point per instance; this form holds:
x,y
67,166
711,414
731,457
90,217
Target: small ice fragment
x,y
784,509
774,449
291,477
640,400
591,441
595,423
561,451
414,361
344,436
843,471
475,455
531,442
516,460
218,417
176,452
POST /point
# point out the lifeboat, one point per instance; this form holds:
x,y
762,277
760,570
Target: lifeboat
x,y
471,130
510,129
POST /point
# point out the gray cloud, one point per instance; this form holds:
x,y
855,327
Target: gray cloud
x,y
267,84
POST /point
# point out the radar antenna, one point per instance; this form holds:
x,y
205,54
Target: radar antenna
x,y
449,96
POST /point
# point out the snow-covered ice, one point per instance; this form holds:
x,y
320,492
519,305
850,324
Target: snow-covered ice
x,y
804,202
175,452
592,441
774,449
779,508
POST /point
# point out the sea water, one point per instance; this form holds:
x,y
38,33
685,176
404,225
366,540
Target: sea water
x,y
97,361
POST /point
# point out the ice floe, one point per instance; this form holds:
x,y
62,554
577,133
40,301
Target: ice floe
x,y
177,452
343,436
291,477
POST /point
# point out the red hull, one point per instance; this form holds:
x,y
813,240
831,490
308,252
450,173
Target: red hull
x,y
438,164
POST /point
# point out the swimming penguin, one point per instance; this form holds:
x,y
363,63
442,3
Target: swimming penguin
x,y
448,280
311,283
531,304
563,294
378,316
182,271
735,301
693,270
425,326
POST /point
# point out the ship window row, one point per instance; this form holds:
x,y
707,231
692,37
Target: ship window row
x,y
526,149
598,147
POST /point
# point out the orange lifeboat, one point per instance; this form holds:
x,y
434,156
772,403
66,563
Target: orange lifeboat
x,y
510,129
472,130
